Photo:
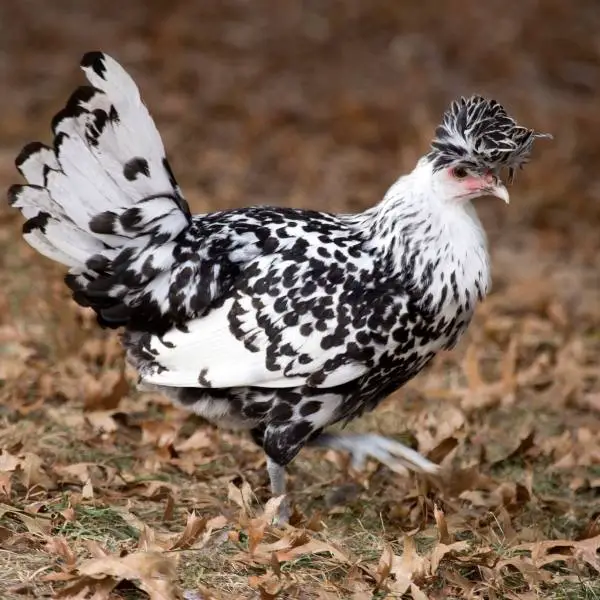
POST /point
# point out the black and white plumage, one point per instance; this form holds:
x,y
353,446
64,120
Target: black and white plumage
x,y
281,321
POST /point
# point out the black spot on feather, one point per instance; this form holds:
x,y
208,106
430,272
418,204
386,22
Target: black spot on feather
x,y
82,95
103,223
38,222
94,60
12,195
134,167
29,150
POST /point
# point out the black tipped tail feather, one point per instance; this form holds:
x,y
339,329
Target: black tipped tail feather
x,y
103,200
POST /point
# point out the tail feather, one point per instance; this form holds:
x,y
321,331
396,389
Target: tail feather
x,y
34,160
103,200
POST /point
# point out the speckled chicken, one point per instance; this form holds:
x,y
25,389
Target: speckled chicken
x,y
275,320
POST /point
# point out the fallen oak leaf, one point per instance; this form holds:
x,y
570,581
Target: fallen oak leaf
x,y
384,568
154,489
586,550
525,443
95,549
242,496
199,440
455,578
442,526
402,569
87,491
81,588
417,593
8,462
58,545
169,510
6,484
106,393
442,450
270,585
531,573
161,434
312,547
291,540
38,524
194,526
153,572
32,472
258,525
189,539
441,550
102,421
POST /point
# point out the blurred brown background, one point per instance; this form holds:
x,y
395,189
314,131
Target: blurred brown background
x,y
324,104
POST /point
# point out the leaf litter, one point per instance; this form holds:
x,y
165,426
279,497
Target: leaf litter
x,y
109,494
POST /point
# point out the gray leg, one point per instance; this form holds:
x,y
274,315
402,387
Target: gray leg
x,y
394,455
277,479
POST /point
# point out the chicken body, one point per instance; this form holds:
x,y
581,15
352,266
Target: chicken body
x,y
280,321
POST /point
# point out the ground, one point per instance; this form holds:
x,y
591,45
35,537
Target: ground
x,y
108,492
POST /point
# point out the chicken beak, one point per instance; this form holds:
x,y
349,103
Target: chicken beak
x,y
499,190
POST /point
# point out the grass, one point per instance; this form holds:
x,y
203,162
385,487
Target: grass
x,y
371,512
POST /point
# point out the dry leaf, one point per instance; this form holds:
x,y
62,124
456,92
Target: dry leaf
x,y
417,593
193,528
199,440
8,462
106,393
442,526
32,472
242,496
152,572
312,547
58,545
87,491
102,421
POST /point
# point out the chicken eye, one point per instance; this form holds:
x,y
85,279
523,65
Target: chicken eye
x,y
459,172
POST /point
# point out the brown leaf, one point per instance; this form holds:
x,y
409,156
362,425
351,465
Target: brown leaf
x,y
466,480
153,572
193,528
443,449
32,472
8,462
406,567
312,547
586,550
531,573
290,540
442,526
58,545
270,585
87,491
105,393
242,496
196,527
526,442
5,484
384,568
417,593
79,472
169,508
82,587
441,550
199,440
102,421
161,434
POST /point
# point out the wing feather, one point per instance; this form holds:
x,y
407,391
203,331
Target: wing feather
x,y
267,333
